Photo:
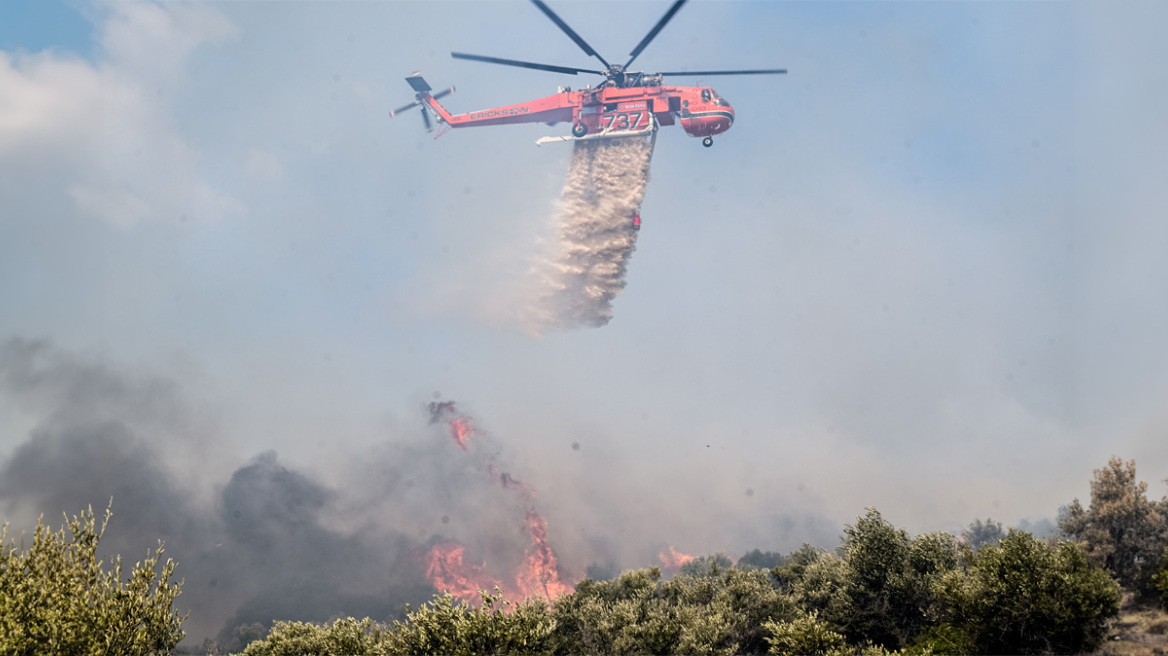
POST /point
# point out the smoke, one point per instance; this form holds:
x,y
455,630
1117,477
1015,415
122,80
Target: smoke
x,y
539,572
256,538
602,195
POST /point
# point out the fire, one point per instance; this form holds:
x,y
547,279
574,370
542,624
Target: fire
x,y
672,558
461,428
445,569
538,575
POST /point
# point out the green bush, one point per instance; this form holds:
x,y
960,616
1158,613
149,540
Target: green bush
x,y
821,586
886,591
890,581
442,626
720,613
57,598
1160,579
344,636
445,627
1121,529
806,635
760,560
790,570
1026,597
980,534
706,565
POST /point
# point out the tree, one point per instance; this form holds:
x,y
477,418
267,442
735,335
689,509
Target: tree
x,y
1160,579
711,565
442,626
703,613
57,598
760,559
495,627
344,636
805,635
820,586
891,580
877,558
1122,530
979,533
791,569
1027,597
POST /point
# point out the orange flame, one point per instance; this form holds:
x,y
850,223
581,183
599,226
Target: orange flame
x,y
445,569
672,558
539,574
461,428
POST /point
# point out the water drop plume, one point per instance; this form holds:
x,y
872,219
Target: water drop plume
x,y
586,270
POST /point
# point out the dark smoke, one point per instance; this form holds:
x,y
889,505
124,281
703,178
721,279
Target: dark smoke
x,y
264,542
257,539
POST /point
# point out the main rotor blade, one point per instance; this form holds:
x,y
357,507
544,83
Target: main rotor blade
x,y
769,71
403,108
653,32
567,30
514,62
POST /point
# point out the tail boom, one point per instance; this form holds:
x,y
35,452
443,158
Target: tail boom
x,y
552,109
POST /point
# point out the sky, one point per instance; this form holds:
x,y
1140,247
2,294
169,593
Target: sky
x,y
924,272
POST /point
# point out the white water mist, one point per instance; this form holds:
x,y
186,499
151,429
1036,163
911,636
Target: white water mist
x,y
586,271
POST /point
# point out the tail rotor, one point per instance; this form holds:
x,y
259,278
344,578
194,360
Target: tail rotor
x,y
422,90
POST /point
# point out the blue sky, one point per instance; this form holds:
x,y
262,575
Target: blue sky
x,y
34,25
924,271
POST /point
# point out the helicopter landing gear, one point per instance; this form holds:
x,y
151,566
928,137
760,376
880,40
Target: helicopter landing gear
x,y
708,141
579,130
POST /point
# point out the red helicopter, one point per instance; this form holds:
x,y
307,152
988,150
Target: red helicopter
x,y
624,104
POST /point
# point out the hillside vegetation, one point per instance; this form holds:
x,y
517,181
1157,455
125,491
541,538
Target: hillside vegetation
x,y
883,591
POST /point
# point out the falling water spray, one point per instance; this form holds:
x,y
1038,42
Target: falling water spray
x,y
602,195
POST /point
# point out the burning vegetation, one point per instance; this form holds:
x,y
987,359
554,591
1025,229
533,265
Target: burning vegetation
x,y
537,574
425,517
672,559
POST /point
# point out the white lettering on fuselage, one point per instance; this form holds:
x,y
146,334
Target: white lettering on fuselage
x,y
495,113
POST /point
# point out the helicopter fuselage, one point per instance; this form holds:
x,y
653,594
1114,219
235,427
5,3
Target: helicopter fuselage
x,y
609,110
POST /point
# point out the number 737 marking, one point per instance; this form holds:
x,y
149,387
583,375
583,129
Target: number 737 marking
x,y
622,121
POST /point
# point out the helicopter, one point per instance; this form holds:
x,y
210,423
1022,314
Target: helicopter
x,y
625,103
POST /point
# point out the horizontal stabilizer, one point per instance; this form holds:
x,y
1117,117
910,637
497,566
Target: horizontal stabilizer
x,y
418,83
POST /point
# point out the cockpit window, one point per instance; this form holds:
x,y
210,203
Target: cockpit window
x,y
721,102
705,95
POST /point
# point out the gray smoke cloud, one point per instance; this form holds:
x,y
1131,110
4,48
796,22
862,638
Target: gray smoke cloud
x,y
255,539
258,538
605,186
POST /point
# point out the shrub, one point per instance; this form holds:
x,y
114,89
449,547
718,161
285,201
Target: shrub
x,y
57,598
445,627
760,560
344,636
1025,597
890,581
1121,528
806,635
1160,579
719,613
